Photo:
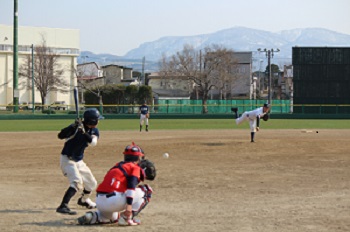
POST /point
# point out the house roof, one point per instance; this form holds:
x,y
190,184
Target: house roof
x,y
115,65
89,77
87,64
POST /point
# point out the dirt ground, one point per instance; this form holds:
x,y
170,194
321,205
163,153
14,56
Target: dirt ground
x,y
214,180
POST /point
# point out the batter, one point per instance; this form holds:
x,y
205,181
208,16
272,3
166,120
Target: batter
x,y
78,135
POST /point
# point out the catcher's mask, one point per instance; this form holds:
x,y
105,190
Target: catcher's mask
x,y
91,116
133,152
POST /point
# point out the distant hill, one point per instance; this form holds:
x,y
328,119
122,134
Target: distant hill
x,y
236,38
105,59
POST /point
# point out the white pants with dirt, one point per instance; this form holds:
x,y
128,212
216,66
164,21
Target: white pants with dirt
x,y
78,173
110,205
245,117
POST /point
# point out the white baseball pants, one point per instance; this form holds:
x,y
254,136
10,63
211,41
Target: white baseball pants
x,y
244,117
108,207
78,173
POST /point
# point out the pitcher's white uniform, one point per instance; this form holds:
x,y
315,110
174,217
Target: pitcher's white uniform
x,y
251,116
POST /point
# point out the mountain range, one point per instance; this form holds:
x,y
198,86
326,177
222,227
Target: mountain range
x,y
236,38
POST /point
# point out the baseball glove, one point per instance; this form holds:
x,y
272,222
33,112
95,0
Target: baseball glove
x,y
266,117
147,115
149,168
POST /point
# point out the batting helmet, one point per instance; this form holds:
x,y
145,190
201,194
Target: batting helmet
x,y
91,116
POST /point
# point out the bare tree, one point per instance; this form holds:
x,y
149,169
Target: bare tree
x,y
212,68
88,78
47,72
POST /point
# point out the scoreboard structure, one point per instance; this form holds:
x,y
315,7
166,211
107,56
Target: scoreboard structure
x,y
321,76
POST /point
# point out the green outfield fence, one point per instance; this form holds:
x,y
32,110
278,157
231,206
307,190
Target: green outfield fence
x,y
216,106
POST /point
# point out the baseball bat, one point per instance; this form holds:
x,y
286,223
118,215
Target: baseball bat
x,y
76,101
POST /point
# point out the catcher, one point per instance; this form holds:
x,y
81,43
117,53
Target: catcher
x,y
144,115
119,197
253,117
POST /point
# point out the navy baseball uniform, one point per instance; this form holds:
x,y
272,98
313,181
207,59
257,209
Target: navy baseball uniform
x,y
144,115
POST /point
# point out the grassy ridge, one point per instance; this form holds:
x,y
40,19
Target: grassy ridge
x,y
173,124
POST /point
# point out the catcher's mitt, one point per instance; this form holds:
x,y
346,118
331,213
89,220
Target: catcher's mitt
x,y
149,168
266,117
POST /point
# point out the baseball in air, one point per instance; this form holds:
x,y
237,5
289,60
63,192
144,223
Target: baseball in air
x,y
165,155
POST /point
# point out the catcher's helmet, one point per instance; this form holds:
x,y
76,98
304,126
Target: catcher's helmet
x,y
133,150
91,116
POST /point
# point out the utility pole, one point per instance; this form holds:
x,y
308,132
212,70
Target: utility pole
x,y
143,79
15,57
269,54
33,88
260,62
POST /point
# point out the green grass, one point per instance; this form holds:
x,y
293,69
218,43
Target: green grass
x,y
174,124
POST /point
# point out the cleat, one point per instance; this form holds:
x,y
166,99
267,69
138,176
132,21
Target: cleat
x,y
63,209
86,219
89,204
128,222
252,141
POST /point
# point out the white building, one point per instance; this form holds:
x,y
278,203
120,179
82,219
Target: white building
x,y
65,42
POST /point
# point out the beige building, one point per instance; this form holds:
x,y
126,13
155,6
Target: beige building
x,y
170,87
90,76
116,74
64,42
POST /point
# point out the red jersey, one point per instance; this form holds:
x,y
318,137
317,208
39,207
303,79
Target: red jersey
x,y
116,181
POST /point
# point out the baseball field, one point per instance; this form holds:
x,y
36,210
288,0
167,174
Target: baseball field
x,y
291,179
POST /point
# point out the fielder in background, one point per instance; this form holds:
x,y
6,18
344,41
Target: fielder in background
x,y
144,115
253,117
78,136
119,198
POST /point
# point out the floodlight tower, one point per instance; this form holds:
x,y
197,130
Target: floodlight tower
x,y
269,54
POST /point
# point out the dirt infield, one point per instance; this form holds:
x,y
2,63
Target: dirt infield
x,y
214,180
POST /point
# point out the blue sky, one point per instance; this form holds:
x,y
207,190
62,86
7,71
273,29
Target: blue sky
x,y
117,26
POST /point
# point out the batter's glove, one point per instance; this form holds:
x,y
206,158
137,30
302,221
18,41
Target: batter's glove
x,y
79,125
149,169
266,117
77,121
